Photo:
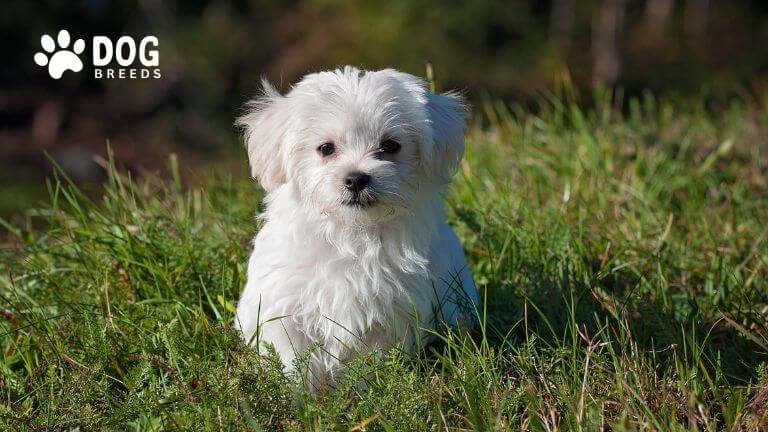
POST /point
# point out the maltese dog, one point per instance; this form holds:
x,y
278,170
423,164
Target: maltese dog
x,y
354,253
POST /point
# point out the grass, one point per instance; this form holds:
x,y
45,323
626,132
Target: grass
x,y
622,258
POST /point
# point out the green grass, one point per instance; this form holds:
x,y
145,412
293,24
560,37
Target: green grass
x,y
622,259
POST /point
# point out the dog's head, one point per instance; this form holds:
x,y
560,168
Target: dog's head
x,y
356,145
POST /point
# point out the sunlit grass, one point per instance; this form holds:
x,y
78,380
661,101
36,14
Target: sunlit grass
x,y
622,259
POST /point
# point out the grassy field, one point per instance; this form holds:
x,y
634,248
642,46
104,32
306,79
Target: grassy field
x,y
622,259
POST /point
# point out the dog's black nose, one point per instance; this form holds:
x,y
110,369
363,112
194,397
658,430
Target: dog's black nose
x,y
356,181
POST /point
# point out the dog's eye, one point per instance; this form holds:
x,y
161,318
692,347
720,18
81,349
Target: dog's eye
x,y
326,149
389,146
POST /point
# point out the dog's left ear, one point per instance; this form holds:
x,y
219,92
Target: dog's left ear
x,y
266,125
447,119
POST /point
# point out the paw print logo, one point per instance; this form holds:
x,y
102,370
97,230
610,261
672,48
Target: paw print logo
x,y
63,59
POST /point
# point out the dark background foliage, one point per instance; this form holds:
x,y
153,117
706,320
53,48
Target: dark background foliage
x,y
212,54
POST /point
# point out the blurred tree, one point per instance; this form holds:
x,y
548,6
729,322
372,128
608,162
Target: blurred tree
x,y
561,24
658,13
607,32
696,23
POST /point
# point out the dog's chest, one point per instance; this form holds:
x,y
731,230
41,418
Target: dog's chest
x,y
353,296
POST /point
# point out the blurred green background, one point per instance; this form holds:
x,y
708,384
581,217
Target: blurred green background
x,y
212,54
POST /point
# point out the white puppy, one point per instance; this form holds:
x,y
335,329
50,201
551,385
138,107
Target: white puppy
x,y
355,253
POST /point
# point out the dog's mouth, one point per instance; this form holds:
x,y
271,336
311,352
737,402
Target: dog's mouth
x,y
360,202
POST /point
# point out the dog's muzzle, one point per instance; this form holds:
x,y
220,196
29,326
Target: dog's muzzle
x,y
358,190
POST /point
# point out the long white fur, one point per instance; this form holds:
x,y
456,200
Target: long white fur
x,y
341,280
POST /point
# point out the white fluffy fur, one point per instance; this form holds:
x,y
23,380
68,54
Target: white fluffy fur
x,y
343,279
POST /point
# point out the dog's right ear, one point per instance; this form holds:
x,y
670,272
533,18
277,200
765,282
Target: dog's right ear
x,y
265,126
